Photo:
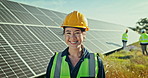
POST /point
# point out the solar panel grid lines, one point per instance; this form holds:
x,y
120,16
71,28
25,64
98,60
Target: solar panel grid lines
x,y
46,20
11,13
61,16
41,22
57,15
2,12
95,45
23,12
11,61
5,23
40,40
12,71
17,54
54,17
99,42
46,35
6,16
30,59
27,18
2,73
22,34
31,9
58,31
109,42
17,36
8,36
13,6
32,14
19,39
48,17
26,36
56,47
104,25
2,42
91,48
58,19
15,64
57,36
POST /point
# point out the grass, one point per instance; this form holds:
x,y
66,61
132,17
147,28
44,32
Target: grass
x,y
129,63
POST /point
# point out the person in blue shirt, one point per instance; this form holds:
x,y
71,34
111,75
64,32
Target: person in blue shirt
x,y
75,61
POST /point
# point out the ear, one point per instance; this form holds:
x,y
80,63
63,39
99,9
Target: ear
x,y
84,35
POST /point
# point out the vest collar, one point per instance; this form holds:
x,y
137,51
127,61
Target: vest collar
x,y
85,55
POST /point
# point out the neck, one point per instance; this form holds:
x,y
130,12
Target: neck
x,y
75,52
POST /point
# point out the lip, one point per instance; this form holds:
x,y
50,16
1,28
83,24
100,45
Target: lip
x,y
74,42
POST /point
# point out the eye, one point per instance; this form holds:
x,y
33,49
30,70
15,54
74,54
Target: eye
x,y
77,33
68,33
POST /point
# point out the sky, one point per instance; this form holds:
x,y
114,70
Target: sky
x,y
123,12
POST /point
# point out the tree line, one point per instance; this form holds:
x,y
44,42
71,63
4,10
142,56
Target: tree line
x,y
141,24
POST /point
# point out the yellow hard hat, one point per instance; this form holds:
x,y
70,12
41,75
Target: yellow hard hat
x,y
76,19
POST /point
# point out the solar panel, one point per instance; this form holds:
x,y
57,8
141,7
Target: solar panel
x,y
6,16
10,63
30,35
50,14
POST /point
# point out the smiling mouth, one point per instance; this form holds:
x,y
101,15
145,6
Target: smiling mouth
x,y
74,42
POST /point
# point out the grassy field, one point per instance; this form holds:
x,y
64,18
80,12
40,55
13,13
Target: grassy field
x,y
129,63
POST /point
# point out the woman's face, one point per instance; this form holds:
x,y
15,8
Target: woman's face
x,y
74,37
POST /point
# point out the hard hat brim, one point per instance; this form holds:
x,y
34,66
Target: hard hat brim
x,y
86,27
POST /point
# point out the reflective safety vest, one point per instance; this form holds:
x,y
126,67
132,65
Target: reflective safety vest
x,y
143,38
125,37
88,68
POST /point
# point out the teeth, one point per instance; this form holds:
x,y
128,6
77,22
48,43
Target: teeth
x,y
73,42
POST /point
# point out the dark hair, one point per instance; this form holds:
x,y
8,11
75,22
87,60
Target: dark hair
x,y
82,29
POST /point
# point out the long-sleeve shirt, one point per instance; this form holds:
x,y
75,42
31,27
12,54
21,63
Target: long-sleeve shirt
x,y
74,70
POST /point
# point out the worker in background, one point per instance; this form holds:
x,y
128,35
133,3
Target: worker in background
x,y
144,41
75,61
124,38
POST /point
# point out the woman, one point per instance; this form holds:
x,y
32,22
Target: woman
x,y
75,61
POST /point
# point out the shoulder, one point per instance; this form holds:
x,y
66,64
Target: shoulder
x,y
97,55
100,62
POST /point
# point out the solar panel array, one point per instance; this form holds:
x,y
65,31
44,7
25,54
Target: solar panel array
x,y
30,35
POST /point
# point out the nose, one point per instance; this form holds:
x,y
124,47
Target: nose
x,y
72,36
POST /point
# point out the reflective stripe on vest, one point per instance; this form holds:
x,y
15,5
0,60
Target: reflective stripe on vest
x,y
124,36
144,38
88,68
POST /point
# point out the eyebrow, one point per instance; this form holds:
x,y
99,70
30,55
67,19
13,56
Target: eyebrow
x,y
70,31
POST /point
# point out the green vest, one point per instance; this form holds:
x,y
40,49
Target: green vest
x,y
143,38
88,68
124,37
